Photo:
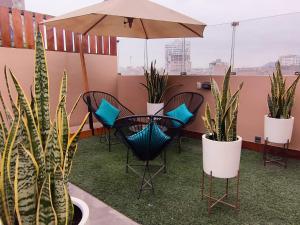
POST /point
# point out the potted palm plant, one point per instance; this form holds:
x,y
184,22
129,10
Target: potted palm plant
x,y
156,86
278,124
221,145
36,152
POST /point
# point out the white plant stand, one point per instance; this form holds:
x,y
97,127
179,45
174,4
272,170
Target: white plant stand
x,y
213,201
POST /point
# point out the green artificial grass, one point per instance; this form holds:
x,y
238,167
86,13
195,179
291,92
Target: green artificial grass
x,y
269,195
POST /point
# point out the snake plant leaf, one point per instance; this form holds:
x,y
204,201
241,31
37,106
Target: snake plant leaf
x,y
41,84
63,126
5,185
60,197
72,147
71,211
63,87
280,101
33,106
53,152
225,87
232,101
223,125
156,84
74,106
8,115
35,139
216,92
12,155
45,214
2,138
13,105
3,124
25,188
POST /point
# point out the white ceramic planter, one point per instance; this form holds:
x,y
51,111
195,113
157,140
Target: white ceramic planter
x,y
153,108
278,130
84,209
221,158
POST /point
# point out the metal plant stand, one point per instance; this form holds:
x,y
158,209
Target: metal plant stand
x,y
213,201
280,161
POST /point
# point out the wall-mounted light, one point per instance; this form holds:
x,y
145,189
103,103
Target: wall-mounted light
x,y
204,85
128,20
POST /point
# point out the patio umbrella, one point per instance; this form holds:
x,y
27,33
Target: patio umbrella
x,y
127,18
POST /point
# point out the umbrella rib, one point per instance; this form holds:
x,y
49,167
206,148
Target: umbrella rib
x,y
95,24
144,28
190,29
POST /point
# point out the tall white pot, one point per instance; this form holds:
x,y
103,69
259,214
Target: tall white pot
x,y
153,108
84,209
221,158
278,130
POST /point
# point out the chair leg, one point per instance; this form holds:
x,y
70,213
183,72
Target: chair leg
x,y
165,161
142,183
179,144
127,160
109,140
150,177
146,182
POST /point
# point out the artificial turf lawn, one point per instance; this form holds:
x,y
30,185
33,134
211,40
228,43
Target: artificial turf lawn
x,y
269,195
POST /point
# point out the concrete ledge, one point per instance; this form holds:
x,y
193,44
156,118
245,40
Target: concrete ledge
x,y
100,213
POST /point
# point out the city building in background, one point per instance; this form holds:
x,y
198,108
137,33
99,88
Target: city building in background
x,y
19,4
289,60
217,67
178,57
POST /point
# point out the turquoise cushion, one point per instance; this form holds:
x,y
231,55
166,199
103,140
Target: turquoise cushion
x,y
140,141
107,113
181,113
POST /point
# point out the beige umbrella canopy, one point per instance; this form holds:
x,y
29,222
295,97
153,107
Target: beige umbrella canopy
x,y
129,18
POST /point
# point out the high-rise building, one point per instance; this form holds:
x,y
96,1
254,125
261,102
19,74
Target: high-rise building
x,y
289,60
20,4
178,57
217,67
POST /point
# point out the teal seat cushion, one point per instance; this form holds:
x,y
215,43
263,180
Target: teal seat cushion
x,y
144,147
181,113
107,113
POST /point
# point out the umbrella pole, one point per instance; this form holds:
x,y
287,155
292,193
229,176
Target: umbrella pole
x,y
86,82
83,65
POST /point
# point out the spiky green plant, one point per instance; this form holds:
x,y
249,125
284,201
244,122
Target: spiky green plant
x,y
156,84
36,153
281,101
223,126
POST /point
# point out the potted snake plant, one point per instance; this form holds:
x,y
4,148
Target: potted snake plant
x,y
278,124
221,145
156,86
36,152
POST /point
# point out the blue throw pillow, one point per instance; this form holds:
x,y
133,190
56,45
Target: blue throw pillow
x,y
181,113
140,140
107,113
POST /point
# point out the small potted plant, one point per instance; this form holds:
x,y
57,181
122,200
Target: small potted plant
x,y
278,124
221,145
156,86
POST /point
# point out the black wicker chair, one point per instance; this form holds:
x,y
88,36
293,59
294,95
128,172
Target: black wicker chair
x,y
92,100
192,100
147,137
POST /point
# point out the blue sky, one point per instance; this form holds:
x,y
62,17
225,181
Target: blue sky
x,y
258,42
